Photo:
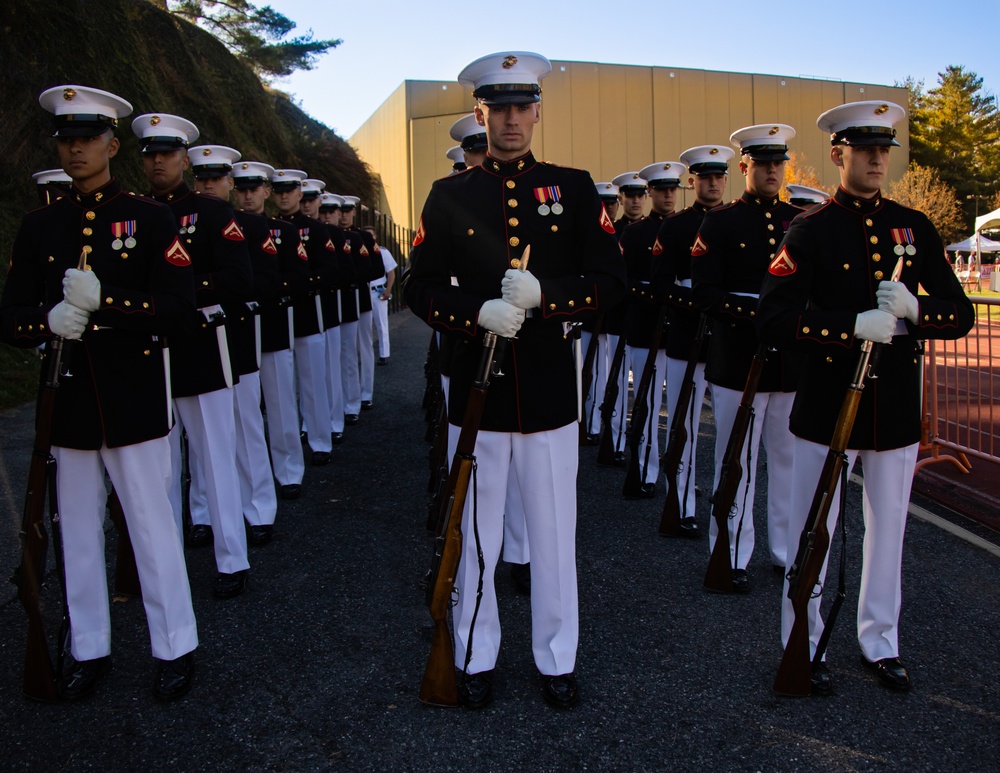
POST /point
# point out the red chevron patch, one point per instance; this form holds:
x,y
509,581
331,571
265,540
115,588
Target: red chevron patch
x,y
233,232
176,255
699,247
782,265
269,246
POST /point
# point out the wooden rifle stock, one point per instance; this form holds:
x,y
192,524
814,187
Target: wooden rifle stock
x,y
719,575
587,379
670,518
126,572
439,687
39,675
606,448
795,672
632,487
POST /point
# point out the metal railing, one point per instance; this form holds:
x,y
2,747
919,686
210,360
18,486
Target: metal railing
x,y
961,385
395,238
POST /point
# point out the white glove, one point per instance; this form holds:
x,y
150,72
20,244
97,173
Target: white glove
x,y
520,288
67,321
895,298
875,325
500,317
82,289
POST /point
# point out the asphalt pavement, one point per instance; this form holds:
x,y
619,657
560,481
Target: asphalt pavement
x,y
317,665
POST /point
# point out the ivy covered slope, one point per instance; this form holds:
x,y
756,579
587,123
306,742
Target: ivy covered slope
x,y
159,63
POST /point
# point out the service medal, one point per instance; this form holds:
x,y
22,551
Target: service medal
x,y
188,222
911,250
544,210
557,208
117,244
899,249
130,242
904,241
276,235
129,234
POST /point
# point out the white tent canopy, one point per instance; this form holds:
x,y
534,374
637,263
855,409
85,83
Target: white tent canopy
x,y
976,242
989,220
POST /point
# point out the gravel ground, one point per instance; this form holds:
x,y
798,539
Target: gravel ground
x,y
317,665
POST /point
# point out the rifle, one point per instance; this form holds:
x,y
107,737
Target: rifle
x,y
632,488
719,575
606,448
126,572
795,672
593,346
670,519
437,459
39,677
439,687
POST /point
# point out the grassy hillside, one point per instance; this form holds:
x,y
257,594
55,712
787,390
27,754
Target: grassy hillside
x,y
159,63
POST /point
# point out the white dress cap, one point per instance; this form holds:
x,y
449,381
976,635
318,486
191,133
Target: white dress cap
x,y
509,77
163,132
350,201
708,159
630,182
862,123
803,195
81,111
209,161
52,176
663,174
250,174
330,201
763,142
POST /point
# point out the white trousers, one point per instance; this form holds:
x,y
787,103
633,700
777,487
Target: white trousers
x,y
314,396
366,353
687,473
350,376
277,382
334,385
260,502
649,446
886,494
210,422
770,422
546,467
380,317
515,529
592,400
141,475
621,405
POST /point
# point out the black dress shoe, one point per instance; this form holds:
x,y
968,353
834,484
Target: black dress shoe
x,y
822,680
366,405
689,527
320,458
648,491
697,490
618,460
520,575
260,535
350,419
290,491
778,569
82,680
173,677
591,439
337,438
229,585
891,673
561,691
198,536
383,360
741,582
475,691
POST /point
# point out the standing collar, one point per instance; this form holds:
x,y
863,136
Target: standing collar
x,y
97,197
856,203
176,194
509,168
759,201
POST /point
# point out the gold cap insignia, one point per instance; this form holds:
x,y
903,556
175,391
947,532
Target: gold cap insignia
x,y
713,151
635,176
281,173
881,109
206,152
509,61
154,120
244,166
68,94
774,130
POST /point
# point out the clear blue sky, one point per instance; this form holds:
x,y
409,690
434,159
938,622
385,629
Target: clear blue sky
x,y
388,42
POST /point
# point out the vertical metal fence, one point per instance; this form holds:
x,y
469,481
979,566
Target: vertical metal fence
x,y
395,238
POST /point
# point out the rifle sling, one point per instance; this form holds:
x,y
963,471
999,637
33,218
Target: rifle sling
x,y
482,569
838,601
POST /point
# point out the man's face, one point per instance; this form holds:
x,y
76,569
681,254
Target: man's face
x,y
611,205
252,199
165,169
86,159
663,200
633,205
287,202
474,157
862,168
764,178
310,207
709,189
508,128
215,186
330,216
347,218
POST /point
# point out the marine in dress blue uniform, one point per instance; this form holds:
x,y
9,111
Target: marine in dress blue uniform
x,y
201,364
735,244
828,288
112,409
671,284
475,227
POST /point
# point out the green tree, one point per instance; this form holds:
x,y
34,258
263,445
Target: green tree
x,y
955,129
255,35
922,188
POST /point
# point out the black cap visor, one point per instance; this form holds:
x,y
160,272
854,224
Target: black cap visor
x,y
508,93
865,136
82,124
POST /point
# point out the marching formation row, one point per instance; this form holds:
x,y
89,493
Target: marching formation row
x,y
170,316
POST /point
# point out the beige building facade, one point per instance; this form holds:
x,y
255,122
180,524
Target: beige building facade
x,y
610,119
